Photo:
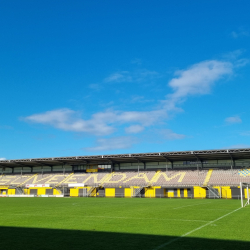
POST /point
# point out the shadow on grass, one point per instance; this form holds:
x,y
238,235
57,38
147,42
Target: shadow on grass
x,y
37,238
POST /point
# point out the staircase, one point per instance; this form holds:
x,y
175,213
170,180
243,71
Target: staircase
x,y
154,179
19,191
213,192
209,173
59,190
65,179
105,178
21,184
90,192
136,192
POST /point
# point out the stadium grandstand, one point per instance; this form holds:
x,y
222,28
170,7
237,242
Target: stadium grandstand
x,y
183,174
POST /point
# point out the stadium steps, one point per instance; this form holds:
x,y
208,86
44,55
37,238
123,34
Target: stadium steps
x,y
106,178
19,190
136,191
65,179
21,184
155,178
213,192
91,192
209,173
59,190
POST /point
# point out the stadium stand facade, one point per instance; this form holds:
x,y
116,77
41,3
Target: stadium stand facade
x,y
186,174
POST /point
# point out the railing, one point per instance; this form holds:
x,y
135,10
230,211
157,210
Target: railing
x,y
19,190
136,192
214,192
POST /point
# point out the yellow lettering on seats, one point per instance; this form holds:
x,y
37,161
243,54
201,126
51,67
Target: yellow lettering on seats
x,y
6,179
14,181
71,178
123,176
36,177
181,174
54,179
141,176
94,176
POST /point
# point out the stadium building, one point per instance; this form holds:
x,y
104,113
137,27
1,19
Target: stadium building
x,y
181,174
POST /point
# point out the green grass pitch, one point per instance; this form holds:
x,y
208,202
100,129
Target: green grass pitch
x,y
123,223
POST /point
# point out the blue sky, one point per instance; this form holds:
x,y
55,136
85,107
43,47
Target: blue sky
x,y
107,77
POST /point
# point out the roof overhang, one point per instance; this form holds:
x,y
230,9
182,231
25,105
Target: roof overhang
x,y
200,155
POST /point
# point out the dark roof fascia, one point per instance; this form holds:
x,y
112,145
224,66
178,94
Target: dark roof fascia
x,y
133,158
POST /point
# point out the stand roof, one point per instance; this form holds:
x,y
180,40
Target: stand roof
x,y
199,155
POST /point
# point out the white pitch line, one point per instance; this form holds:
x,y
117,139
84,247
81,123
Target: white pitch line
x,y
217,209
192,205
198,228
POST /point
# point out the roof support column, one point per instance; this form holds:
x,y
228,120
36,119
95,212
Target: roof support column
x,y
197,162
138,162
138,168
167,160
111,165
232,160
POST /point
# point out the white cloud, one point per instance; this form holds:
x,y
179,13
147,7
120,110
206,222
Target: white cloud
x,y
241,63
119,77
5,127
245,133
138,99
137,61
113,143
136,76
197,80
2,159
102,123
134,129
233,55
70,120
233,119
170,135
95,86
240,33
